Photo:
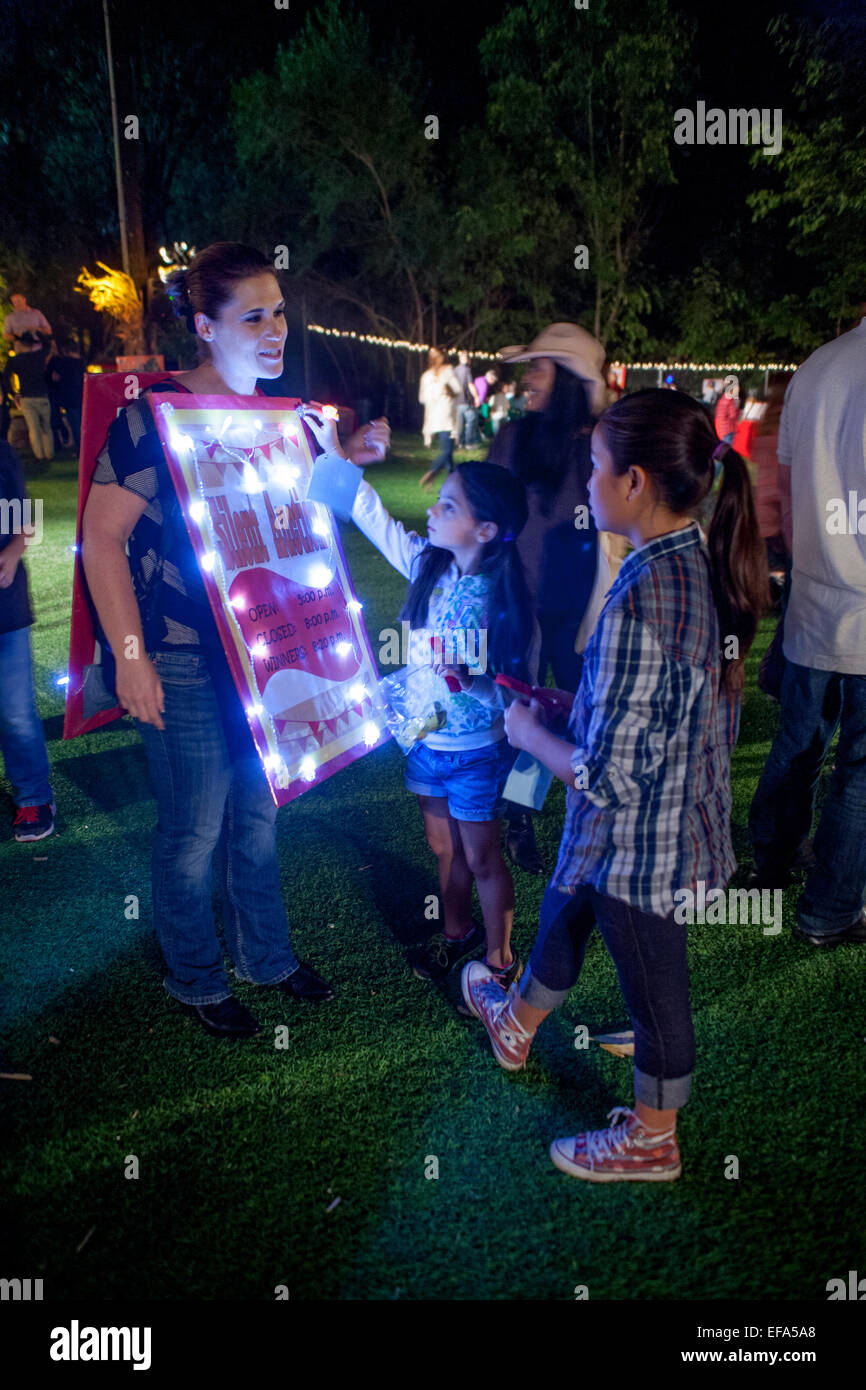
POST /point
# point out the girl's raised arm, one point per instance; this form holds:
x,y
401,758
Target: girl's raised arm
x,y
399,546
330,485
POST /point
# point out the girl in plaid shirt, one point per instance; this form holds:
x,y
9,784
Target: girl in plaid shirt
x,y
647,765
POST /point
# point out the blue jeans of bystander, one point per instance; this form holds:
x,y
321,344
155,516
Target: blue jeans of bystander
x,y
22,738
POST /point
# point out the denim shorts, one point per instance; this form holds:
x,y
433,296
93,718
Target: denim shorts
x,y
472,779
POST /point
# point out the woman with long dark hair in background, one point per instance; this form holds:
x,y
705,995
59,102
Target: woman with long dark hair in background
x,y
567,570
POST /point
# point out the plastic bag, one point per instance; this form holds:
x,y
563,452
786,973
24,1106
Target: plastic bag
x,y
412,710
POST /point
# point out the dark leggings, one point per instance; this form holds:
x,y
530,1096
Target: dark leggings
x,y
649,953
445,456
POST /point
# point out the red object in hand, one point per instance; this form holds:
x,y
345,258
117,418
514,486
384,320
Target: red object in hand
x,y
451,681
550,699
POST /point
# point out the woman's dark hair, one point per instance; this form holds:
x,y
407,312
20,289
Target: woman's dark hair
x,y
492,494
670,436
209,281
547,440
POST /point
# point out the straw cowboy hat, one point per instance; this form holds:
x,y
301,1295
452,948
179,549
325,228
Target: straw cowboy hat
x,y
571,347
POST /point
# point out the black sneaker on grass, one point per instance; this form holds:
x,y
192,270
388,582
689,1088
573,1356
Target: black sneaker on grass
x,y
34,822
440,955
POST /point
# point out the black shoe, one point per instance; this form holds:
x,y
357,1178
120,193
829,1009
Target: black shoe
x,y
441,954
804,857
771,876
227,1019
520,844
855,933
304,983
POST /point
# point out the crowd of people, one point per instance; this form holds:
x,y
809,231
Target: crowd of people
x,y
575,545
462,411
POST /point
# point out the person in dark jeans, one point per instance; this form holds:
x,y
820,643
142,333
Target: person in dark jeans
x,y
22,738
468,433
58,430
67,374
821,460
815,706
213,798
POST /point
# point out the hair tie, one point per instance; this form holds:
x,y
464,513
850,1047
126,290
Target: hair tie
x,y
509,536
720,450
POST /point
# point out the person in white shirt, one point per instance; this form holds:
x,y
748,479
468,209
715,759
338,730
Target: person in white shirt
x,y
822,457
439,391
24,319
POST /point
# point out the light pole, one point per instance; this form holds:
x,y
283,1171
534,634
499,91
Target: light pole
x,y
121,201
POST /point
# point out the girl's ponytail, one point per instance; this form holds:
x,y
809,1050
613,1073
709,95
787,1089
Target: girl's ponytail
x,y
671,437
738,565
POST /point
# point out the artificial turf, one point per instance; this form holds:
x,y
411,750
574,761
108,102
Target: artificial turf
x,y
244,1149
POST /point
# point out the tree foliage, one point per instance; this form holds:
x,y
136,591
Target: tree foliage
x,y
336,166
580,101
819,181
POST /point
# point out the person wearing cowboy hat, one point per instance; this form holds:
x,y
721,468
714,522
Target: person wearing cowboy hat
x,y
567,568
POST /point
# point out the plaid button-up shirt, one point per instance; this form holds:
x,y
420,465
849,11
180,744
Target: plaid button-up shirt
x,y
650,810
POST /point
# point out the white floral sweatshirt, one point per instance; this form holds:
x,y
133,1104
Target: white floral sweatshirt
x,y
458,605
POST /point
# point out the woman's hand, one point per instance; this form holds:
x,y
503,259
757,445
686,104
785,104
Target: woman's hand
x,y
370,443
522,723
324,430
139,690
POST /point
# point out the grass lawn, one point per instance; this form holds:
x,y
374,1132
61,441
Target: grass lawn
x,y
243,1150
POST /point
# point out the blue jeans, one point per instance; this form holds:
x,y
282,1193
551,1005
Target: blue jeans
x,y
22,738
814,705
468,432
649,953
212,794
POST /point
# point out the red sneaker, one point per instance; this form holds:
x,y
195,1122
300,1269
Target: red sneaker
x,y
487,1000
34,822
626,1152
